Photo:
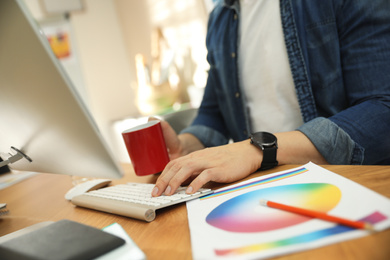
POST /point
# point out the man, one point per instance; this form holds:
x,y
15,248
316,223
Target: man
x,y
315,74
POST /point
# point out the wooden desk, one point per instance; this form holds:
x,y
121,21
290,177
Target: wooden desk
x,y
41,198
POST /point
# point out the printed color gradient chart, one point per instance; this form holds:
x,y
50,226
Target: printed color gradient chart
x,y
238,227
373,218
244,213
256,183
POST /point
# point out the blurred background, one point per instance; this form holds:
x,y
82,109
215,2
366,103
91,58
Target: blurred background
x,y
130,59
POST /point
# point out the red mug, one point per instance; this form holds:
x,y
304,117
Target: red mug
x,y
146,147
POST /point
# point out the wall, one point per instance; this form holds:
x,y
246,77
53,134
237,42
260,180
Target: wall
x,y
107,34
108,72
104,73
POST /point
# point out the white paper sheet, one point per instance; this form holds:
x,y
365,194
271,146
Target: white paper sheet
x,y
128,251
9,179
231,224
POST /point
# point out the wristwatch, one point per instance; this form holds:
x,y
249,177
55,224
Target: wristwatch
x,y
268,143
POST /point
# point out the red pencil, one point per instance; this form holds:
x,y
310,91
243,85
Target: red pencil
x,y
318,214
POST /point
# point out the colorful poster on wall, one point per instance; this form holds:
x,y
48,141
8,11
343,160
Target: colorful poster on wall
x,y
60,37
60,44
231,223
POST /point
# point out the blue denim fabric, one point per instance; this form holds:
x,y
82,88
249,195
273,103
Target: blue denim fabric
x,y
339,55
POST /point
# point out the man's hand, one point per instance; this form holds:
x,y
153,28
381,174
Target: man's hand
x,y
223,164
229,162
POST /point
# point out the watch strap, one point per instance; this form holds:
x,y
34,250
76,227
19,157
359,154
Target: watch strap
x,y
267,142
269,158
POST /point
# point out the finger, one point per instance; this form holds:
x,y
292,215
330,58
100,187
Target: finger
x,y
171,140
161,183
179,172
158,189
170,136
203,178
164,179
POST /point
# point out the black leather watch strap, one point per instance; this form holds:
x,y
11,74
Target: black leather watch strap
x,y
269,158
266,142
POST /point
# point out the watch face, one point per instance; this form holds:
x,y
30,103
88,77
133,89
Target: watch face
x,y
265,139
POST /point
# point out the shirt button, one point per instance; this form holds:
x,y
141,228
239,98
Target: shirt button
x,y
245,133
237,95
235,17
233,54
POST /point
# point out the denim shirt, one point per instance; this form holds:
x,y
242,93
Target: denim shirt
x,y
339,56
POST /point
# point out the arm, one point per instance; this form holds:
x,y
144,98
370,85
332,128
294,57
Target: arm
x,y
351,87
231,162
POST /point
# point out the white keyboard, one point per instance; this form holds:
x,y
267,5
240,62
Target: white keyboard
x,y
133,200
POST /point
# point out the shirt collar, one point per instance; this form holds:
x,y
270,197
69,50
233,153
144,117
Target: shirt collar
x,y
234,4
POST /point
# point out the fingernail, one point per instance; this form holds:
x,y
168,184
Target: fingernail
x,y
189,190
168,190
154,191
